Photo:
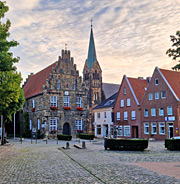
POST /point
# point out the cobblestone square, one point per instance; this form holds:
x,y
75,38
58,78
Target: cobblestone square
x,y
50,163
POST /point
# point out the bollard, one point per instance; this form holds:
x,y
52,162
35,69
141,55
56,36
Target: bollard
x,y
67,145
46,141
83,145
57,140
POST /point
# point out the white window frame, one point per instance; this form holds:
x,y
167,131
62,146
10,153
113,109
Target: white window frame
x,y
79,123
146,127
39,124
66,101
153,112
78,101
124,91
53,101
122,103
125,131
119,130
125,115
160,111
169,110
145,112
30,124
52,124
161,125
153,125
98,115
156,95
58,84
118,116
150,96
162,94
156,82
133,115
33,104
128,102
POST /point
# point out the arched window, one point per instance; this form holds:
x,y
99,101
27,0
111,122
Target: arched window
x,y
74,85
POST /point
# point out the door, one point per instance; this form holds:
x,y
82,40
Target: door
x,y
66,129
105,130
170,131
134,131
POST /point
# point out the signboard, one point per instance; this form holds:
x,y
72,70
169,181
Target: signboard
x,y
172,118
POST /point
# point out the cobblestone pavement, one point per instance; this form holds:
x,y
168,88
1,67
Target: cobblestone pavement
x,y
49,163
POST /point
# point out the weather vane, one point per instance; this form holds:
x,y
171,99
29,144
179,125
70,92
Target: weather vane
x,y
91,21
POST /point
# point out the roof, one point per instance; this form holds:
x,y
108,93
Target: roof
x,y
173,78
107,103
92,51
35,84
138,87
110,89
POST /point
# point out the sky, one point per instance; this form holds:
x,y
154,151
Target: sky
x,y
131,36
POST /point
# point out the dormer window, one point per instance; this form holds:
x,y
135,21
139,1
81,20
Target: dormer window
x,y
74,85
124,91
156,82
58,84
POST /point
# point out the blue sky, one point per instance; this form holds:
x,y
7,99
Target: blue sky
x,y
131,36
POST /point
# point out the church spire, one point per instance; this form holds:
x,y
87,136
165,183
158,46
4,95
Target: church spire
x,y
92,51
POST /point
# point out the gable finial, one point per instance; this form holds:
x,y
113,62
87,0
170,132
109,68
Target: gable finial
x,y
66,46
91,21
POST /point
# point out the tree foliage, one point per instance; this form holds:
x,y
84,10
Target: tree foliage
x,y
174,52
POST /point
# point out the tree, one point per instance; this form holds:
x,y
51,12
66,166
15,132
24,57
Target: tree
x,y
12,96
174,52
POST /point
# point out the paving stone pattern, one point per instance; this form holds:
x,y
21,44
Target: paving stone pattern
x,y
49,163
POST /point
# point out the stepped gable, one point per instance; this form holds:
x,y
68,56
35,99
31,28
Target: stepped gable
x,y
35,84
173,78
110,89
138,86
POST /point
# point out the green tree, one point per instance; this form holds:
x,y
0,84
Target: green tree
x,y
11,94
174,51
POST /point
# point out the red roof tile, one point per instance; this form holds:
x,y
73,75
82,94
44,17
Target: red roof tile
x,y
138,86
35,84
173,78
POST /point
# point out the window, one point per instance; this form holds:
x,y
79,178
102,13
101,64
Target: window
x,y
127,131
125,115
156,95
79,124
66,101
128,102
163,94
161,128
39,122
150,96
122,103
153,112
161,111
52,124
53,101
124,91
98,129
156,82
105,115
78,101
153,128
146,128
30,124
98,115
118,115
119,131
133,115
33,104
145,112
169,110
74,85
58,84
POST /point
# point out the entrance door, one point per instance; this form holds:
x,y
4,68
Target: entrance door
x,y
66,129
134,131
105,130
170,130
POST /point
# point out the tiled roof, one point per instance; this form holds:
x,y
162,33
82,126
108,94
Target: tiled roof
x,y
138,86
35,84
110,89
173,78
108,102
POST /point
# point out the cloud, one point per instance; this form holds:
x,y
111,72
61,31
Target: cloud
x,y
131,37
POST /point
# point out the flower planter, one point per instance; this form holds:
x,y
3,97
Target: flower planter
x,y
67,108
79,108
33,109
53,108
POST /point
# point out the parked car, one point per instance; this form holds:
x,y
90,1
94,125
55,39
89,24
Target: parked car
x,y
177,137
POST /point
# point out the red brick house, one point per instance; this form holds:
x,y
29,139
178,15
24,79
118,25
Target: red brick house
x,y
160,108
127,107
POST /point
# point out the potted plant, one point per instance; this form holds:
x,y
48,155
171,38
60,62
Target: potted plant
x,y
66,108
33,109
53,108
79,108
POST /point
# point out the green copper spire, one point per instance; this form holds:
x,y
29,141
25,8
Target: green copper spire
x,y
92,51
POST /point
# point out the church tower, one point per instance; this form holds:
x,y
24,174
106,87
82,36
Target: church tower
x,y
92,75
